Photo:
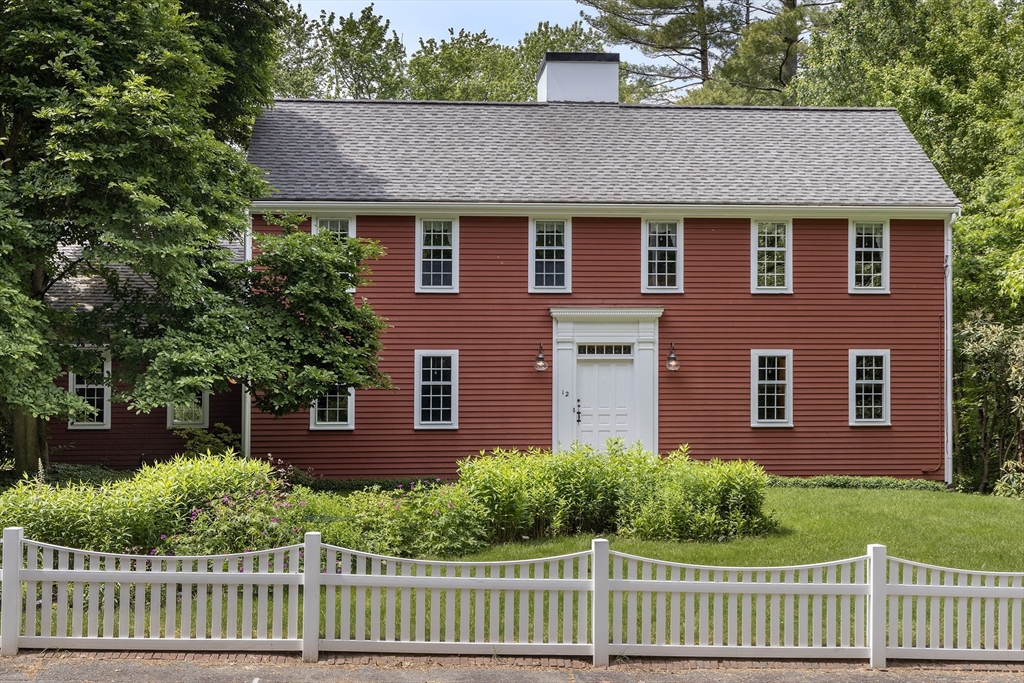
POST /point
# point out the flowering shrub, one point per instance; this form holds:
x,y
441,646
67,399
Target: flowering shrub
x,y
255,521
1011,483
130,514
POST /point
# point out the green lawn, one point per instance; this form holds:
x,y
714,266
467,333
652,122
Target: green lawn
x,y
952,530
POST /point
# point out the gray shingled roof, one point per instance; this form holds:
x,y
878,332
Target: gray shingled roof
x,y
385,151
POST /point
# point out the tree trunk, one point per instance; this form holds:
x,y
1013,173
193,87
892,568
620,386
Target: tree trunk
x,y
28,435
705,60
790,66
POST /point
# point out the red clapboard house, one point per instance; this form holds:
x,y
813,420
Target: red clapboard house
x,y
759,283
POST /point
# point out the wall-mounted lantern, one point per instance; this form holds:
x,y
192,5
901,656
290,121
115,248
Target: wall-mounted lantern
x,y
540,365
672,364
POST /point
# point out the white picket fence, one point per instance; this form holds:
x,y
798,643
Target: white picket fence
x,y
598,603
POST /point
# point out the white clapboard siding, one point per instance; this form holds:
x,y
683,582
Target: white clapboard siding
x,y
943,613
669,609
376,603
74,598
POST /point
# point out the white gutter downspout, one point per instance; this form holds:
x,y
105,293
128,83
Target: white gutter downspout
x,y
948,314
246,403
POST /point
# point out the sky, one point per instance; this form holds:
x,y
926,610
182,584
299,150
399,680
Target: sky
x,y
505,20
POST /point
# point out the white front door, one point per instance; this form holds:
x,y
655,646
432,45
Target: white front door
x,y
605,401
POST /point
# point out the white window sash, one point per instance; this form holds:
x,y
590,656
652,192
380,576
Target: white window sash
x,y
532,258
852,258
786,288
202,423
885,420
105,422
755,355
645,263
446,289
420,354
316,224
348,425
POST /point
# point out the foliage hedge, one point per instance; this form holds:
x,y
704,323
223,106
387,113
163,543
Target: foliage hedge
x,y
220,504
834,481
130,514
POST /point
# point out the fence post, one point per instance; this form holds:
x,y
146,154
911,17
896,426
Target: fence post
x,y
877,616
10,616
599,608
311,597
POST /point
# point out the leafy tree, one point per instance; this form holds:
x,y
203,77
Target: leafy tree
x,y
333,57
954,69
121,173
474,67
465,67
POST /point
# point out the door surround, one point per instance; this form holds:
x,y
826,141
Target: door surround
x,y
637,325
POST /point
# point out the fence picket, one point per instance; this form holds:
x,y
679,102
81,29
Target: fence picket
x,y
376,603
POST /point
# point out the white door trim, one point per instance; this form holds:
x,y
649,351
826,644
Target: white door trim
x,y
629,325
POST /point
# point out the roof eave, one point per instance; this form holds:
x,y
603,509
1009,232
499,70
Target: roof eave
x,y
920,211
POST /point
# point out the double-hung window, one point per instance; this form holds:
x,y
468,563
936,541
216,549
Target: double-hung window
x,y
437,390
869,387
771,262
194,413
345,227
93,389
869,257
550,256
437,255
662,256
771,388
334,409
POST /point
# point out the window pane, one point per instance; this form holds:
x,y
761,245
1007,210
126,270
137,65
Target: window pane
x,y
436,389
662,254
772,379
869,388
436,257
188,413
549,254
338,226
90,387
868,255
332,406
771,254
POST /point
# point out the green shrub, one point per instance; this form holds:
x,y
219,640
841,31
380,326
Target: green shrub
x,y
431,521
696,501
255,521
629,491
96,475
218,439
836,481
1011,483
130,514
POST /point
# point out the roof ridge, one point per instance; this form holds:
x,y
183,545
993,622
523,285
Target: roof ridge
x,y
623,105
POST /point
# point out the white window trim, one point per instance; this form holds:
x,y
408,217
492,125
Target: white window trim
x,y
454,424
567,289
454,288
348,426
106,402
315,224
754,289
204,422
645,288
852,253
886,411
754,354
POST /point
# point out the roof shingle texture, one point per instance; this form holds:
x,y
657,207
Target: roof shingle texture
x,y
388,151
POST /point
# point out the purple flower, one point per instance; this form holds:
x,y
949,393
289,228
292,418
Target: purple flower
x,y
275,520
153,551
438,480
302,502
163,536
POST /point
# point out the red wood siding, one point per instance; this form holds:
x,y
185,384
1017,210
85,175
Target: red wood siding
x,y
496,326
134,439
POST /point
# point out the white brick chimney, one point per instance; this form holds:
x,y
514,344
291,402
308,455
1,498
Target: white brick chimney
x,y
578,77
